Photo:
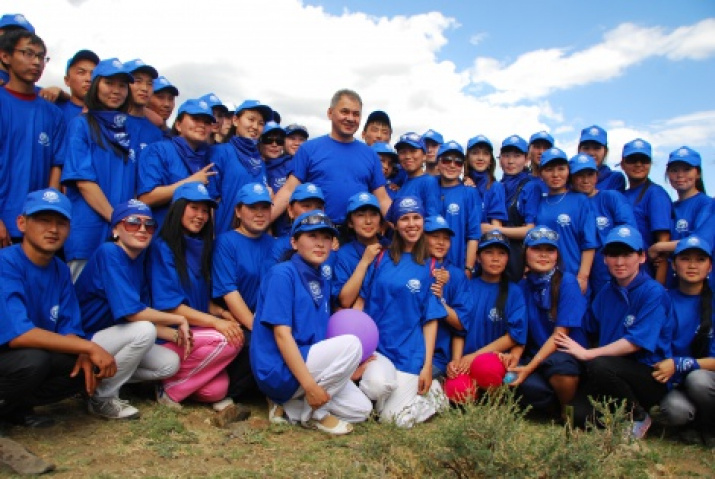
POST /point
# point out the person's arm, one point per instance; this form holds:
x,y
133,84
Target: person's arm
x,y
55,174
471,257
162,195
584,270
315,395
238,308
546,350
351,289
383,198
359,304
229,328
280,200
94,196
181,336
429,331
4,236
620,347
661,267
661,248
511,232
457,347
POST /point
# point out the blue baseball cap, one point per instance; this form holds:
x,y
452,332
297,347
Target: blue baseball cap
x,y
296,128
311,221
306,191
48,199
637,147
16,20
111,67
362,200
551,155
404,205
412,140
163,83
492,238
479,140
515,141
685,155
541,234
272,126
382,148
542,135
626,235
82,55
265,110
433,136
196,107
131,207
437,223
213,101
693,242
193,191
594,133
138,65
451,145
253,193
582,162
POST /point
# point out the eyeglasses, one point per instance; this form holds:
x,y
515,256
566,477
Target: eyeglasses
x,y
450,160
493,235
535,235
317,220
133,224
267,140
31,55
634,159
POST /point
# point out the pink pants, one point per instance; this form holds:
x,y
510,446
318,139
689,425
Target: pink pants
x,y
202,375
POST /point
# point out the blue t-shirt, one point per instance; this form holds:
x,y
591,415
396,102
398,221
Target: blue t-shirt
x,y
239,264
571,216
485,325
111,287
457,295
142,133
115,175
493,202
339,169
69,110
569,313
277,172
687,314
640,313
693,215
461,207
610,180
32,141
346,260
168,291
398,298
426,188
34,296
284,300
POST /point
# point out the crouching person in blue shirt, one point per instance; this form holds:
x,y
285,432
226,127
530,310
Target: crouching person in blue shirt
x,y
308,375
43,358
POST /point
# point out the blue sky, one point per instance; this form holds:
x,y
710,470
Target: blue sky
x,y
637,68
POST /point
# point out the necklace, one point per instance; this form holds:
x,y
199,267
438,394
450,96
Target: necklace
x,y
563,195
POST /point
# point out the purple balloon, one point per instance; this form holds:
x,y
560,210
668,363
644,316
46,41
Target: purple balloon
x,y
357,323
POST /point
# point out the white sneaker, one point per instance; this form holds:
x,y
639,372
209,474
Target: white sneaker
x,y
222,404
163,399
112,408
276,414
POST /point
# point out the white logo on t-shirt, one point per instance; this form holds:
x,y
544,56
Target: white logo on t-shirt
x,y
44,139
628,322
453,209
326,271
494,315
563,220
602,222
681,226
54,313
414,285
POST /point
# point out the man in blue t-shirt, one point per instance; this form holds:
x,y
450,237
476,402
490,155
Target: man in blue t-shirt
x,y
43,357
78,78
338,163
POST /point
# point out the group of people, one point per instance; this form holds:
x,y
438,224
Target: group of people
x,y
207,258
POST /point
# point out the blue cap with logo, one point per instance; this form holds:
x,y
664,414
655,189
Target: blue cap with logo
x,y
131,207
542,136
693,242
162,83
138,65
272,126
626,235
402,206
382,148
362,200
48,199
551,155
582,162
253,193
296,128
196,107
515,141
265,110
213,101
541,234
637,147
432,135
437,223
312,221
16,20
412,140
193,191
494,238
451,145
686,155
479,140
307,191
594,133
111,67
82,55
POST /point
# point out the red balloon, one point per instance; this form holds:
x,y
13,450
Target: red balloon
x,y
487,370
460,389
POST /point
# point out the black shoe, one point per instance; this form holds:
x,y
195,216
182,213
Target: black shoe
x,y
27,418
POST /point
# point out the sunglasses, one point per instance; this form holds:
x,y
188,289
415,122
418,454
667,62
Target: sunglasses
x,y
493,235
133,224
267,140
317,220
536,235
449,160
633,159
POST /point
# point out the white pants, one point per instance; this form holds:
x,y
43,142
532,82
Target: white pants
x,y
138,357
331,362
395,393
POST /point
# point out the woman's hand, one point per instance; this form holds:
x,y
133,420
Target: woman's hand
x,y
202,176
317,397
568,345
664,370
522,372
184,337
424,381
231,330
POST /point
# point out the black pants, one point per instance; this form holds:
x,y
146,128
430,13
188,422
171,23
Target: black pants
x,y
618,377
242,384
33,377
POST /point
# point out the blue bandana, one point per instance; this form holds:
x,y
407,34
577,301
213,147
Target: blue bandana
x,y
248,154
112,125
193,159
511,184
311,278
480,179
540,286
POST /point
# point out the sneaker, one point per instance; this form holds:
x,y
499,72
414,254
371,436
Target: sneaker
x,y
640,428
276,414
163,399
112,408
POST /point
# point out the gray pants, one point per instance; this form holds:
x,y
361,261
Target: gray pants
x,y
694,397
138,357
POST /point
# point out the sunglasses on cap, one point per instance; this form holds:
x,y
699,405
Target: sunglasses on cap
x,y
451,160
133,224
493,235
317,220
633,159
536,235
267,140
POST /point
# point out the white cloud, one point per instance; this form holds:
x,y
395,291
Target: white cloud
x,y
478,38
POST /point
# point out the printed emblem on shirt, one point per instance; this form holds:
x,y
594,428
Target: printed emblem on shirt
x,y
44,139
681,226
628,322
563,220
326,271
280,181
132,155
54,313
603,222
315,289
119,120
494,315
142,146
453,209
414,285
